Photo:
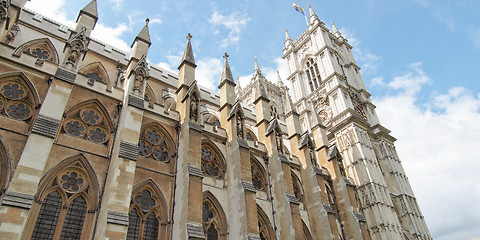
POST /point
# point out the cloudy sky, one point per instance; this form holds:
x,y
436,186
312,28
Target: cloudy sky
x,y
420,60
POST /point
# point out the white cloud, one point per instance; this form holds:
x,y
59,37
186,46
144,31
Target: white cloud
x,y
155,21
474,35
111,36
377,81
117,4
53,9
364,57
442,12
234,24
268,72
209,72
438,144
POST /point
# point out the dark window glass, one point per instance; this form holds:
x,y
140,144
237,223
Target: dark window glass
x,y
212,233
133,225
72,227
47,217
151,227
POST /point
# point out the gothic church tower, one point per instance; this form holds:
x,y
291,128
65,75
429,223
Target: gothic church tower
x,y
326,83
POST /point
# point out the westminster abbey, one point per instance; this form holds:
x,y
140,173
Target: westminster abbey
x,y
96,143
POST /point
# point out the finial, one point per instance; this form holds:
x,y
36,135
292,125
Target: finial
x,y
147,20
226,56
189,36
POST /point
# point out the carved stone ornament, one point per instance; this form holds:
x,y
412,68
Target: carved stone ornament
x,y
77,47
4,10
193,108
279,141
239,122
141,74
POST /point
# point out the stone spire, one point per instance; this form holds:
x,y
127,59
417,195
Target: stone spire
x,y
226,73
257,73
90,10
288,40
188,57
313,16
279,80
87,18
260,91
335,31
289,106
238,87
144,34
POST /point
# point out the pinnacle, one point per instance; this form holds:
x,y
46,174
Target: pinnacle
x,y
144,34
188,53
226,73
90,9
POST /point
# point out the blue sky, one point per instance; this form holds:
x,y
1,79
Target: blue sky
x,y
419,58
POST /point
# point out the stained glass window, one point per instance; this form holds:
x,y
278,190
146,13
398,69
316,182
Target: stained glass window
x,y
133,225
87,123
15,100
258,178
211,164
151,227
144,223
47,217
73,224
153,144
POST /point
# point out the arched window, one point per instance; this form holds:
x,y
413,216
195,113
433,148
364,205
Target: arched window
x,y
4,167
258,176
213,218
155,143
18,97
313,75
250,135
307,233
264,227
212,162
95,72
42,49
147,217
66,203
88,120
297,187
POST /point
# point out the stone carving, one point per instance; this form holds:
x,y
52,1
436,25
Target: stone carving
x,y
239,126
138,84
279,141
140,76
120,75
4,11
193,108
77,47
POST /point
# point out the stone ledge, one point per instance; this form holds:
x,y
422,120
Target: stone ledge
x,y
292,198
128,150
243,143
135,101
283,158
359,216
328,208
195,230
46,126
248,186
194,171
117,218
19,200
65,75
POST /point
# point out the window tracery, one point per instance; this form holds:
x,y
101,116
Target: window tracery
x,y
213,218
297,189
147,212
68,200
154,144
42,49
313,75
211,163
258,176
88,121
17,100
264,227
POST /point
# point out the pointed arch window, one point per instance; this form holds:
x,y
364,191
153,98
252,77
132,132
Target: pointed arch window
x,y
313,75
212,164
95,72
89,121
43,49
258,176
297,188
67,202
213,218
147,216
264,227
18,98
155,143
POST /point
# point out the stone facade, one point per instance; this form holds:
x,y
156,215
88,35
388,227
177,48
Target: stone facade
x,y
96,143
